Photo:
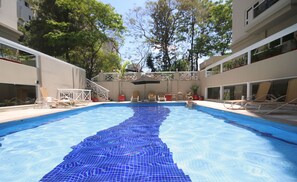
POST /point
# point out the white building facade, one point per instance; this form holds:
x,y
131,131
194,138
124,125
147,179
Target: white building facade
x,y
9,20
264,48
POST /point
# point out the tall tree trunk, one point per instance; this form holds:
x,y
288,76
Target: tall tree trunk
x,y
192,42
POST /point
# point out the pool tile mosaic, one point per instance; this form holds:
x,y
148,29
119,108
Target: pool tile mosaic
x,y
131,151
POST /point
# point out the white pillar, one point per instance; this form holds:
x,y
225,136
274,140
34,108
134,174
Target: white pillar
x,y
221,92
248,90
249,58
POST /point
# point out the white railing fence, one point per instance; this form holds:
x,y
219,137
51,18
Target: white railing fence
x,y
97,89
162,76
80,95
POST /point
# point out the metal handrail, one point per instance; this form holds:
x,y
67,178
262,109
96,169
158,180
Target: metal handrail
x,y
98,89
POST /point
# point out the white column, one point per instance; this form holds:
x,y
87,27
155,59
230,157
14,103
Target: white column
x,y
205,93
221,92
249,60
248,90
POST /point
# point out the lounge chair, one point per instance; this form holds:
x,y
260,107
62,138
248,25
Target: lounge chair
x,y
189,96
290,98
151,96
261,96
51,101
135,96
180,96
161,97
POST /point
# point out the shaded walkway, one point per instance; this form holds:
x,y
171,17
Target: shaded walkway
x,y
131,151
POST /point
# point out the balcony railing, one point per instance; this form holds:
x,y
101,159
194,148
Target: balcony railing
x,y
10,54
162,76
188,75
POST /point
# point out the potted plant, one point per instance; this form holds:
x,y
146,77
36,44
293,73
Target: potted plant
x,y
121,72
194,88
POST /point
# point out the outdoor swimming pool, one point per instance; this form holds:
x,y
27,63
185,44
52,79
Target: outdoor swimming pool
x,y
148,143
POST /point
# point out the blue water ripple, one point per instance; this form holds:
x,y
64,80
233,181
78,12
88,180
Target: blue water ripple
x,y
130,151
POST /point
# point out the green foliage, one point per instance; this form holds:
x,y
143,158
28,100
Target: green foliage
x,y
74,30
181,65
194,88
220,25
163,32
183,28
109,61
150,62
122,69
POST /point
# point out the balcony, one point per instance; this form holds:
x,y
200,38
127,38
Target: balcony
x,y
280,43
269,13
15,55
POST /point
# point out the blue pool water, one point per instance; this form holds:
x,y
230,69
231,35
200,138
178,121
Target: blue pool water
x,y
148,143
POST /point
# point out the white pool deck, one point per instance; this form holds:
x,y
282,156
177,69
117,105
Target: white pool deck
x,y
19,113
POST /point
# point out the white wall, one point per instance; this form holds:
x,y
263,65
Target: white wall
x,y
59,74
126,87
8,20
8,13
49,72
278,17
279,67
15,73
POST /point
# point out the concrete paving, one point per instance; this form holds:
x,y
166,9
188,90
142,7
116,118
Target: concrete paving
x,y
18,113
288,116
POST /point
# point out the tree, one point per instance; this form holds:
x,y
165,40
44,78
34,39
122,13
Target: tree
x,y
150,62
193,13
220,24
181,65
122,69
156,25
163,32
179,29
74,30
206,28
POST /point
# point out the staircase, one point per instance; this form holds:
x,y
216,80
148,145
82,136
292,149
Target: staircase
x,y
100,91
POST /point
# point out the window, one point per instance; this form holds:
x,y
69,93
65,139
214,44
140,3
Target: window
x,y
235,63
274,43
277,89
213,93
26,4
262,6
17,56
256,4
213,71
248,16
235,92
11,94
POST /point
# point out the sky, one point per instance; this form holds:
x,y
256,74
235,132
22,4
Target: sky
x,y
122,7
